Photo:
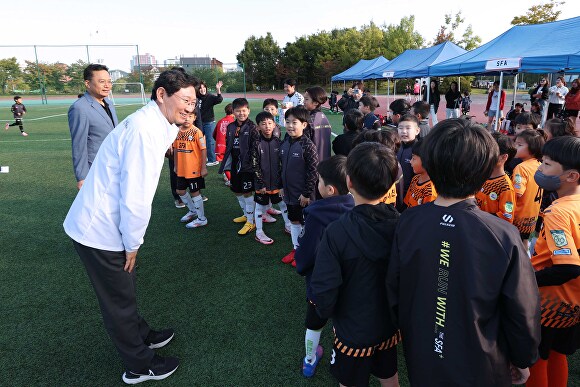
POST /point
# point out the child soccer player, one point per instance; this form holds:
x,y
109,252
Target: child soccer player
x,y
18,111
353,123
522,122
408,128
299,160
421,190
497,196
367,106
266,165
528,195
190,153
557,263
219,133
270,105
332,100
465,103
335,202
348,281
242,133
464,295
320,128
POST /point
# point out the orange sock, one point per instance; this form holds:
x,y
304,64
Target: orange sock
x,y
538,374
557,370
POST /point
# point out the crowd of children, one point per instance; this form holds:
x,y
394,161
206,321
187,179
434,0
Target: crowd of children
x,y
407,235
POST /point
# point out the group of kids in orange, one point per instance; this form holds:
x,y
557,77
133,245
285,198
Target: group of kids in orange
x,y
443,272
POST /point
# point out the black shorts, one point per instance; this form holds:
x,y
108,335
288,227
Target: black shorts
x,y
295,213
194,184
562,340
313,320
525,235
267,198
242,182
356,370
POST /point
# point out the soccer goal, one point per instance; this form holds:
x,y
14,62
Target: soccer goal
x,y
128,93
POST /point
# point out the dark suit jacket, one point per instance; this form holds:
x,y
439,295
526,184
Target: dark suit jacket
x,y
89,124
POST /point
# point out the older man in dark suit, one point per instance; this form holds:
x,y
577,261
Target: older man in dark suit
x,y
90,119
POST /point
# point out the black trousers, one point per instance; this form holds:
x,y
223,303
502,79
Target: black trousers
x,y
18,122
173,178
553,109
116,292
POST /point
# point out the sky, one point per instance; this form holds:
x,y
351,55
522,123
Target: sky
x,y
219,28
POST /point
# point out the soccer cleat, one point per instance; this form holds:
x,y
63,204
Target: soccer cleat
x,y
241,219
179,204
287,229
188,217
227,183
159,339
204,198
309,369
197,223
212,163
6,126
160,368
268,218
289,258
247,228
273,211
24,134
263,238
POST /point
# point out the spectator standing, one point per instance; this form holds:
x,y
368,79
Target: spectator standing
x,y
556,97
573,101
452,99
206,102
434,100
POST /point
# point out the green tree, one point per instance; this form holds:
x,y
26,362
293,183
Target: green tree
x,y
537,14
9,73
260,57
400,37
74,73
448,31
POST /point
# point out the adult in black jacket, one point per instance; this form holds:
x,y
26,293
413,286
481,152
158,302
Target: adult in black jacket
x,y
434,100
351,101
452,99
206,102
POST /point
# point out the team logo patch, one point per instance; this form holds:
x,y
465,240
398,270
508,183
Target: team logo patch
x,y
559,237
518,179
493,196
509,207
507,216
563,252
190,138
419,201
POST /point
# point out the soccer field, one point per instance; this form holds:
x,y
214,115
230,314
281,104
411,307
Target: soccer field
x,y
238,312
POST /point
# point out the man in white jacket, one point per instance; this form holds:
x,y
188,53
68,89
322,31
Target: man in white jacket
x,y
107,220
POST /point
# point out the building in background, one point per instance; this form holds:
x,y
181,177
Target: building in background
x,y
144,60
196,62
117,74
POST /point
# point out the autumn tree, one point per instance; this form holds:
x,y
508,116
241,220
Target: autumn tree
x,y
448,32
9,72
537,14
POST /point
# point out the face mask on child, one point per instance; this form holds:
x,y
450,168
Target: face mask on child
x,y
548,183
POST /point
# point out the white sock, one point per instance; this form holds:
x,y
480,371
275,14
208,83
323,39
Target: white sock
x,y
250,209
198,203
311,340
284,210
295,230
242,203
260,209
186,198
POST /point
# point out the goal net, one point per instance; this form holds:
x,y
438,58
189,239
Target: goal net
x,y
128,94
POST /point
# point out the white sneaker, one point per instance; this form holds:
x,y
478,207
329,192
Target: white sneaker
x,y
212,163
24,134
188,217
273,211
263,238
7,126
287,229
266,218
197,223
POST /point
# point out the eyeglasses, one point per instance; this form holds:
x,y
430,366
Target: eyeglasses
x,y
542,80
185,100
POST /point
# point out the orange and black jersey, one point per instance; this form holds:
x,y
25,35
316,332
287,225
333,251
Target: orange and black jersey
x,y
528,195
188,146
559,244
420,193
497,196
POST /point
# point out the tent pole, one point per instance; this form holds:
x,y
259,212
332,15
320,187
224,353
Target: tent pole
x,y
496,122
388,90
375,87
428,88
458,83
344,85
394,89
515,90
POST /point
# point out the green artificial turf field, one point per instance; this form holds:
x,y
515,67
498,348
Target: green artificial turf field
x,y
238,312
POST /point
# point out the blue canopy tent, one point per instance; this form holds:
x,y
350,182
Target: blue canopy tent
x,y
536,48
415,63
354,72
539,48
